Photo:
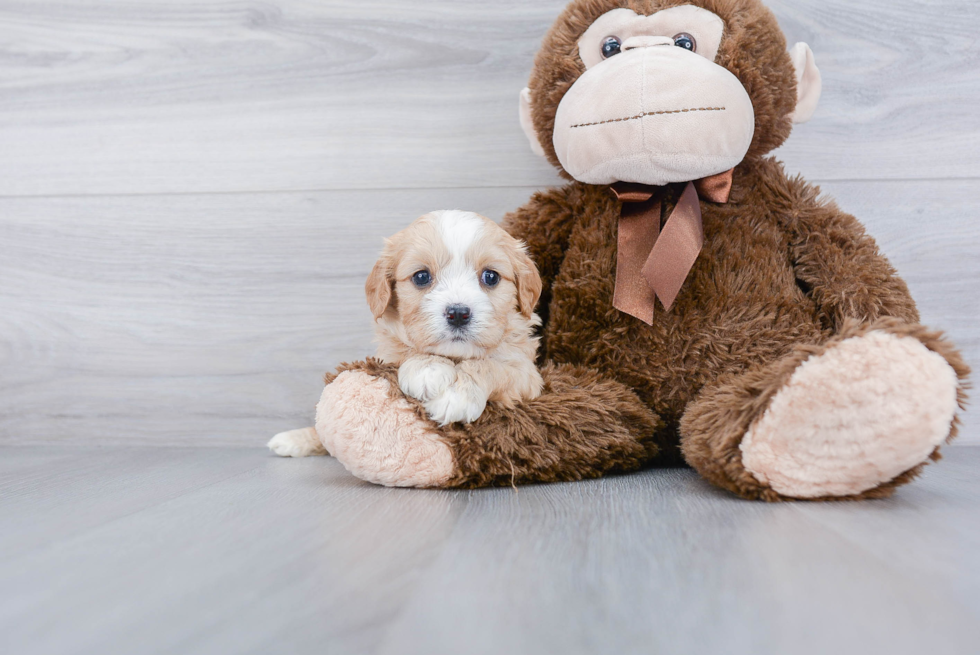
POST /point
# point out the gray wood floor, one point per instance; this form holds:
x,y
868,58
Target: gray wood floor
x,y
197,550
191,193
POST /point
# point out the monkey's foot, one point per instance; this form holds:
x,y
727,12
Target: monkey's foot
x,y
377,435
858,415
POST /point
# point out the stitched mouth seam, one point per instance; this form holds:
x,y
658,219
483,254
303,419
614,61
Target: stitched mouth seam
x,y
650,113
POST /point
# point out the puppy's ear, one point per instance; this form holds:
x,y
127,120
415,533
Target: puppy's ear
x,y
528,283
380,285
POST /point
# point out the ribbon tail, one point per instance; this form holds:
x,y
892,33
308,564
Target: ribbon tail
x,y
639,227
676,249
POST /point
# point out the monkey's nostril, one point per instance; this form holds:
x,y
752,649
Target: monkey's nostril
x,y
458,315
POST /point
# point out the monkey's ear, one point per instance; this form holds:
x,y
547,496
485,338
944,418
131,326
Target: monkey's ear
x,y
808,82
527,125
379,287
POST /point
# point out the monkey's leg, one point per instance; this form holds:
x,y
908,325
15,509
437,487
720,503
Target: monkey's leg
x,y
854,417
582,426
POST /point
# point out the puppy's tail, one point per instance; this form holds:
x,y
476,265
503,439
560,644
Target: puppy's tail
x,y
303,442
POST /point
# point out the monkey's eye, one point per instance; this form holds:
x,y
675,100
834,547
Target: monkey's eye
x,y
611,46
686,41
421,279
490,278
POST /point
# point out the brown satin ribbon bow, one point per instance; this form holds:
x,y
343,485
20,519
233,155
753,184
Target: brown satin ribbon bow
x,y
651,263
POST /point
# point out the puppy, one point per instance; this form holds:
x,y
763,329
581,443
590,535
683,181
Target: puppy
x,y
453,298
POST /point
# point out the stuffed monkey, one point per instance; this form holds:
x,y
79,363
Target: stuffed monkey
x,y
699,306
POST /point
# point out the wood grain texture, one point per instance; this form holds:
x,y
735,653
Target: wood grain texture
x,y
124,97
210,320
269,555
194,319
206,570
192,193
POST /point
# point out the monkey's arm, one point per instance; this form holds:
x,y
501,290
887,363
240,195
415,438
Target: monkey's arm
x,y
839,265
544,224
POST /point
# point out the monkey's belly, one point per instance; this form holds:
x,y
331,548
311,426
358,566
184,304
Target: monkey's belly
x,y
726,319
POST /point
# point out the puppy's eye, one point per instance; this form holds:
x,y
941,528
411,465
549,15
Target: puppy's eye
x,y
421,279
611,46
686,41
490,278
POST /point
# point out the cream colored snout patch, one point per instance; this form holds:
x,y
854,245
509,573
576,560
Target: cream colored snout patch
x,y
653,115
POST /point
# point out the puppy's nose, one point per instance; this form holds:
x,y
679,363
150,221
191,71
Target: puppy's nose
x,y
458,315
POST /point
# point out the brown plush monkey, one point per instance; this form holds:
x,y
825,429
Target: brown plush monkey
x,y
731,320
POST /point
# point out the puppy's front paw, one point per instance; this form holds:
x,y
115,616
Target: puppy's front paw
x,y
457,404
425,378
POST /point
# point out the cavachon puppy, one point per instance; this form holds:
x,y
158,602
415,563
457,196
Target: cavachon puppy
x,y
453,297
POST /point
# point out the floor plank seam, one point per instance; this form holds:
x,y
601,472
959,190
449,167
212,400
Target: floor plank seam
x,y
395,189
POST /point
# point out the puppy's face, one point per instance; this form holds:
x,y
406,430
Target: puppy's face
x,y
452,284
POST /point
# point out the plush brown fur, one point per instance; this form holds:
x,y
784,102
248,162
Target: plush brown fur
x,y
714,424
582,426
780,276
753,49
783,275
765,294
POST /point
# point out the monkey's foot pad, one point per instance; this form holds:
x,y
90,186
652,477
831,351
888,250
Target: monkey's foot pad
x,y
378,437
853,417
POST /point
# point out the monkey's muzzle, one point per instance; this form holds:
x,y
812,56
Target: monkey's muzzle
x,y
653,115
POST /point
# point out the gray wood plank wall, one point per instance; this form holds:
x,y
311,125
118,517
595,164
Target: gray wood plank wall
x,y
191,193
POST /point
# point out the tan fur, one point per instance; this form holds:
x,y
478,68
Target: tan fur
x,y
379,287
502,368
